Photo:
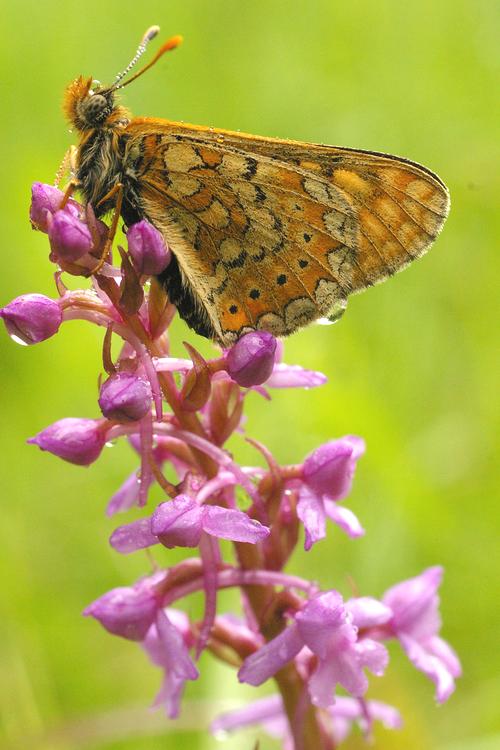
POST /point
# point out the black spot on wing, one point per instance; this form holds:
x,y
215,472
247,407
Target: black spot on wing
x,y
251,168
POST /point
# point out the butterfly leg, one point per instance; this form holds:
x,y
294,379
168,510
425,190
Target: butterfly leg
x,y
70,189
68,165
118,191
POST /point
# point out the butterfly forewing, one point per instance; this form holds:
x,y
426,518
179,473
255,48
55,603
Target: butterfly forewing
x,y
273,234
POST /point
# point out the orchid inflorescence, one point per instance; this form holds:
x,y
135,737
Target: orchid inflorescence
x,y
180,412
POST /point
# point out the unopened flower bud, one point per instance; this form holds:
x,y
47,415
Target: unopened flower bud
x,y
251,360
69,237
125,397
47,199
147,249
329,469
128,611
79,441
31,318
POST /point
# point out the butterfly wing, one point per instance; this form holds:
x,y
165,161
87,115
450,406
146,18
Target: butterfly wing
x,y
272,234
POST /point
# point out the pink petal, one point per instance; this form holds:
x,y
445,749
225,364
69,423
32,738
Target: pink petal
x,y
446,654
269,659
226,523
171,364
368,612
223,480
170,694
257,712
211,557
415,604
372,655
133,536
178,523
294,376
341,668
154,646
329,469
387,715
343,664
146,433
431,666
345,711
311,512
344,518
321,621
125,497
177,658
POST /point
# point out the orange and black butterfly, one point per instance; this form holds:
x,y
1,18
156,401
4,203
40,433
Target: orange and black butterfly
x,y
266,233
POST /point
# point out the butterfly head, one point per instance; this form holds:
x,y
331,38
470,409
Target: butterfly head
x,y
88,105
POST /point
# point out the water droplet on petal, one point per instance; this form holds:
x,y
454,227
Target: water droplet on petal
x,y
221,734
17,340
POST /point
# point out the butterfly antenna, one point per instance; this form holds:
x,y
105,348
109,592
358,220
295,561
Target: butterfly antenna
x,y
141,49
150,34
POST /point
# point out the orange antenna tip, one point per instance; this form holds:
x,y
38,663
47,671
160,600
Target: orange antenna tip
x,y
173,42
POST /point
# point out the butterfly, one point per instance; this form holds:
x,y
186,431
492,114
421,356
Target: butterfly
x,y
266,234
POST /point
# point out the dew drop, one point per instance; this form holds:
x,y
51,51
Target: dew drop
x,y
221,734
325,322
18,340
335,314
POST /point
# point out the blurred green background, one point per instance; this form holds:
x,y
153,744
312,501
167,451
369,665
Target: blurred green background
x,y
410,366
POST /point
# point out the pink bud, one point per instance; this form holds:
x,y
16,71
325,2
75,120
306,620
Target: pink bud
x,y
125,397
79,441
128,611
147,249
47,199
251,360
31,318
70,238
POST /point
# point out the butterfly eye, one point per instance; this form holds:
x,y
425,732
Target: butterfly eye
x,y
95,108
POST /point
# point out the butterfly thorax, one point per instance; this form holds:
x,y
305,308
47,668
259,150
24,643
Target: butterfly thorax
x,y
99,167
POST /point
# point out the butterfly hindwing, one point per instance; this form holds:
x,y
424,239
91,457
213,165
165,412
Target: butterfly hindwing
x,y
272,234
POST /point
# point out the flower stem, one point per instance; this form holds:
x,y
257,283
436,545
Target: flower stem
x,y
270,609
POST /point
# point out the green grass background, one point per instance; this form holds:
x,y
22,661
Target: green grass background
x,y
410,366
